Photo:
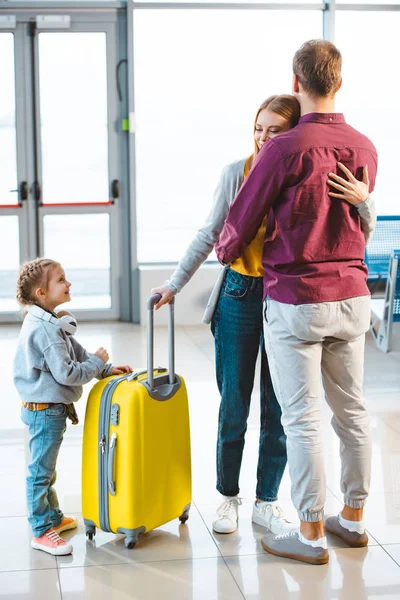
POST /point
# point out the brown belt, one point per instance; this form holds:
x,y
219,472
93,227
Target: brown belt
x,y
35,406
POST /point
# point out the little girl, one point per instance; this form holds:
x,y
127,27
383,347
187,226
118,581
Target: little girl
x,y
50,368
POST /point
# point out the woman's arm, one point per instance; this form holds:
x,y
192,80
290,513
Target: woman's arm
x,y
203,243
356,193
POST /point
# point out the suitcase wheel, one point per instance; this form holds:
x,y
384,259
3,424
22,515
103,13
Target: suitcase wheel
x,y
90,533
130,543
184,517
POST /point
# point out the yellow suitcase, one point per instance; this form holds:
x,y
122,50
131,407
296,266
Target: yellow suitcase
x,y
136,464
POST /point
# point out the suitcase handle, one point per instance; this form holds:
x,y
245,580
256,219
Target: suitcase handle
x,y
110,470
151,302
136,374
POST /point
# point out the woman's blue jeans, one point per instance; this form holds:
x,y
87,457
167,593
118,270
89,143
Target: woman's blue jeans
x,y
46,428
237,327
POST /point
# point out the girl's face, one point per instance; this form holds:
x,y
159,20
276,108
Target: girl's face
x,y
269,125
57,290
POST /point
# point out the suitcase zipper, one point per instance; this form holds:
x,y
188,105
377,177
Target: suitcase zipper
x,y
104,426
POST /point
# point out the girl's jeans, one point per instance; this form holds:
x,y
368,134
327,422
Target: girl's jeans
x,y
237,327
46,428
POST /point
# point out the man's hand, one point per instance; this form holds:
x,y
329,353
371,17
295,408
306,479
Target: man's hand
x,y
121,370
166,295
353,191
102,353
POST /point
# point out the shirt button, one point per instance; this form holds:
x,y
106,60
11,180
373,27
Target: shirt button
x,y
330,118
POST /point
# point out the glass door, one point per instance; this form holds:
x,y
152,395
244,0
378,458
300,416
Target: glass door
x,y
72,190
79,193
13,185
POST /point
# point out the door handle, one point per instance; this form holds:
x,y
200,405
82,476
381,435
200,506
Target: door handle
x,y
115,189
23,191
37,191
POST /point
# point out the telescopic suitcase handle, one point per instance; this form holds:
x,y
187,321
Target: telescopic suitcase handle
x,y
151,302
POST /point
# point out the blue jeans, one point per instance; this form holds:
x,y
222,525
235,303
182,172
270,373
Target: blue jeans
x,y
46,428
237,327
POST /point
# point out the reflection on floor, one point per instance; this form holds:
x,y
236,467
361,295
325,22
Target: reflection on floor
x,y
182,562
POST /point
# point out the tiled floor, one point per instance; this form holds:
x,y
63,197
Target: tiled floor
x,y
182,562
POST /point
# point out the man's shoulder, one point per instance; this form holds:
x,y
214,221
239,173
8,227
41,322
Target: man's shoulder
x,y
308,136
361,138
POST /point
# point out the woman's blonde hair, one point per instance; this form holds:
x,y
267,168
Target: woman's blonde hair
x,y
283,105
32,275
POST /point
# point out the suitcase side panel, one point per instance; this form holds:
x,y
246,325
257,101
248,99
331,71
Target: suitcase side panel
x,y
152,468
90,460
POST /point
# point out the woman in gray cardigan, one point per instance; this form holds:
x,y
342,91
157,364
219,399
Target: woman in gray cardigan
x,y
235,312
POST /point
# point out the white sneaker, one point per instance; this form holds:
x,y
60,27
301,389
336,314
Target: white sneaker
x,y
227,515
270,515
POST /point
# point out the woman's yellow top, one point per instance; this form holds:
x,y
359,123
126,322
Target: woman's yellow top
x,y
250,262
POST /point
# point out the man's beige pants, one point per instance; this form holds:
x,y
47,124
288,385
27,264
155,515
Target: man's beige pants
x,y
303,343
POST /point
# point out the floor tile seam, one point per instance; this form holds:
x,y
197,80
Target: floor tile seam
x,y
390,556
373,537
59,581
234,578
140,562
208,529
28,570
390,544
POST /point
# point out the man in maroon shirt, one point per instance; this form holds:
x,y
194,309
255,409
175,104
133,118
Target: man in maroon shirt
x,y
316,298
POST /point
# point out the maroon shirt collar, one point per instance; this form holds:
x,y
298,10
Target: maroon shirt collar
x,y
322,118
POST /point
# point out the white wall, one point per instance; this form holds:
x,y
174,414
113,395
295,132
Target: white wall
x,y
190,302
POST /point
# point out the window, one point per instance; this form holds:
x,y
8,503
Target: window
x,y
8,148
73,109
196,94
370,94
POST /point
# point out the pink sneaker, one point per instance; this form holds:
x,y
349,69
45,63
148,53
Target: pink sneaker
x,y
51,543
66,523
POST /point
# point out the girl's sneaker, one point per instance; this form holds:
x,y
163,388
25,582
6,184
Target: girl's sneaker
x,y
66,524
51,543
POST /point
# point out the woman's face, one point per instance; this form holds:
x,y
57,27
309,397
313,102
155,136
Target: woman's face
x,y
269,125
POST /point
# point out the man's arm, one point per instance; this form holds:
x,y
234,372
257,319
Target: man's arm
x,y
257,194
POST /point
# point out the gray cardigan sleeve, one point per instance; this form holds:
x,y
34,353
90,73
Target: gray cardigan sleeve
x,y
67,371
367,212
83,355
203,243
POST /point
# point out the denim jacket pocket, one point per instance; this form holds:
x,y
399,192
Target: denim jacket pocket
x,y
57,410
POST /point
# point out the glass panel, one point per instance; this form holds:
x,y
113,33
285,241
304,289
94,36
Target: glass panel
x,y
81,243
367,2
9,262
229,1
370,93
8,145
73,106
196,104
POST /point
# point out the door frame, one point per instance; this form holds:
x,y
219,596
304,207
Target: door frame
x,y
84,18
